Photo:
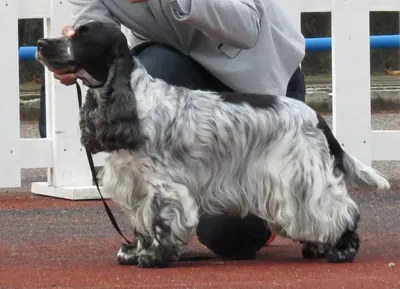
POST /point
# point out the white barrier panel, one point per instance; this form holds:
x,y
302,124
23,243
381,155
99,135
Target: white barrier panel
x,y
350,44
70,174
61,153
326,5
29,9
10,169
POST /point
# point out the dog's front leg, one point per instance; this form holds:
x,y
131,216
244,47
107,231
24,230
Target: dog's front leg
x,y
127,254
164,224
145,251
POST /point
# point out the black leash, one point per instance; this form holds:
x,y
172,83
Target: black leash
x,y
93,171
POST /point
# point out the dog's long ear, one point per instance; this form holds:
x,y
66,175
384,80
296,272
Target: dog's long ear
x,y
122,65
118,126
87,123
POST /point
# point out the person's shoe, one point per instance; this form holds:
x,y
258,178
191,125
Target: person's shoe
x,y
271,239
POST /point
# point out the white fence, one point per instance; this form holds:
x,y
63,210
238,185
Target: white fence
x,y
61,153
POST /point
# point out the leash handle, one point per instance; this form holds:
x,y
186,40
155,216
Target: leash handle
x,y
95,180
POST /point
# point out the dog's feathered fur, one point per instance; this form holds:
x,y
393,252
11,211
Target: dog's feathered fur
x,y
176,153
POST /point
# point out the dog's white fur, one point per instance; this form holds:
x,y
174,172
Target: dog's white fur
x,y
203,154
193,152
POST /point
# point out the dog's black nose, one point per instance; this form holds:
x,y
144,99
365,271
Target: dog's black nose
x,y
42,43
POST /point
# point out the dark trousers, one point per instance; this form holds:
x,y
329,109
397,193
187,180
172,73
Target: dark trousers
x,y
228,236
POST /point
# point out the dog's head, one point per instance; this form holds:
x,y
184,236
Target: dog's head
x,y
99,55
90,53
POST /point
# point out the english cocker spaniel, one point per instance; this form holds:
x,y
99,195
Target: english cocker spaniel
x,y
176,153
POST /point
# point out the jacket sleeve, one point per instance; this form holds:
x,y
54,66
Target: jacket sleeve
x,y
85,10
233,22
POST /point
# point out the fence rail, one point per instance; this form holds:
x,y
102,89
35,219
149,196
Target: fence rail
x,y
63,156
312,44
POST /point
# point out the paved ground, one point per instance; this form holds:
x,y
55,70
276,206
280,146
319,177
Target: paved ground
x,y
53,243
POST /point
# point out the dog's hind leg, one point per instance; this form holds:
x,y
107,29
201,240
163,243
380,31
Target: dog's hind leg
x,y
314,250
164,224
346,216
346,249
336,239
324,217
343,251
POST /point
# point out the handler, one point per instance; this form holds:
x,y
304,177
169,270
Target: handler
x,y
222,45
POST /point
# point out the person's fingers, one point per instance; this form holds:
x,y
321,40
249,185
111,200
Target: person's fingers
x,y
68,30
66,79
69,81
59,72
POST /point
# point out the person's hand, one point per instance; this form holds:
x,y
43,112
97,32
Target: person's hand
x,y
63,76
68,30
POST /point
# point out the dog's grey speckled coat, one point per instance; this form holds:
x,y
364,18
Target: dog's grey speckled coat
x,y
176,153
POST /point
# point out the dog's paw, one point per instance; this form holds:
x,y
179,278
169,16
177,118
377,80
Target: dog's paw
x,y
346,255
314,251
149,261
341,256
157,257
127,255
345,251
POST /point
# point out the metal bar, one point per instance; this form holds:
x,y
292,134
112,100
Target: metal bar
x,y
27,52
376,42
312,44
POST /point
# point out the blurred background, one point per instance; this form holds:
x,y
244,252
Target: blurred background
x,y
316,65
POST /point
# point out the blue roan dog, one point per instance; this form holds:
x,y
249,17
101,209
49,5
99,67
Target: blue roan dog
x,y
175,153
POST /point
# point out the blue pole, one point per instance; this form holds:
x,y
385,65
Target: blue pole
x,y
27,52
385,41
312,44
318,44
376,41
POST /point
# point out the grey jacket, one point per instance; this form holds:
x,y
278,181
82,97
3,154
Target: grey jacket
x,y
250,45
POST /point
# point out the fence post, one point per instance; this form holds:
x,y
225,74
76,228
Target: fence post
x,y
69,176
351,77
10,168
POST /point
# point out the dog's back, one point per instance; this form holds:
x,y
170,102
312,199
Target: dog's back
x,y
257,154
220,153
228,151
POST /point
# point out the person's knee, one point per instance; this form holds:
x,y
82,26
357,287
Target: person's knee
x,y
233,237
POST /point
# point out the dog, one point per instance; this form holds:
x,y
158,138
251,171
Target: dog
x,y
175,154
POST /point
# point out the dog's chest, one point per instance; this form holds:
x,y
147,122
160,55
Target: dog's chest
x,y
96,93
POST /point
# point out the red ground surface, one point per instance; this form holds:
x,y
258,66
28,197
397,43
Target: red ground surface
x,y
51,243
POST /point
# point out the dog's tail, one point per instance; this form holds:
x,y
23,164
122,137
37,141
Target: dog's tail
x,y
355,172
359,175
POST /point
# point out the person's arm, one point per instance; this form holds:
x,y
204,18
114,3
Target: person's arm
x,y
233,22
85,10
